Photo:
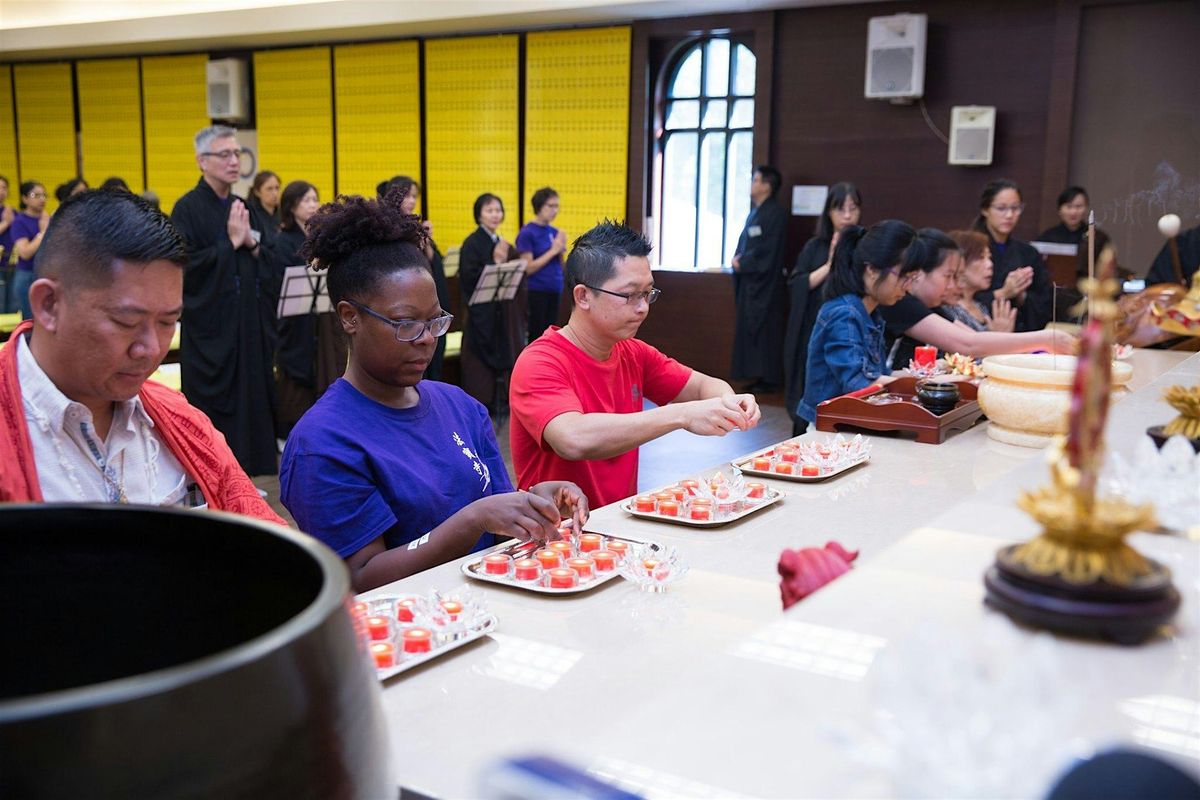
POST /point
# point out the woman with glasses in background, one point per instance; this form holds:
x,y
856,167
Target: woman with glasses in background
x,y
28,228
1019,274
395,473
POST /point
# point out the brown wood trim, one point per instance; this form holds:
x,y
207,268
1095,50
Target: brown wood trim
x,y
1060,108
639,126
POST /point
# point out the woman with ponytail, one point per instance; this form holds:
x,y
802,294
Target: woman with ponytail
x,y
395,473
870,269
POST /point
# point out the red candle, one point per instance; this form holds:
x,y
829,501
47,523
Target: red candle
x,y
668,508
562,578
359,611
784,468
496,564
644,502
404,609
619,549
664,497
678,492
589,542
756,490
701,512
690,485
384,654
549,559
527,569
790,456
582,567
810,470
453,608
651,564
762,464
562,548
417,640
925,355
604,560
379,628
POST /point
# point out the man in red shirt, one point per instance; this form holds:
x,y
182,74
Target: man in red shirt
x,y
576,392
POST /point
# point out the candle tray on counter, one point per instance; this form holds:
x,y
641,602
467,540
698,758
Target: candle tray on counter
x,y
828,459
445,635
518,551
895,408
744,506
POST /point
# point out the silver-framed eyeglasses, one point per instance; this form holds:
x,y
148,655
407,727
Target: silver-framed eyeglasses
x,y
409,330
225,155
632,298
1002,210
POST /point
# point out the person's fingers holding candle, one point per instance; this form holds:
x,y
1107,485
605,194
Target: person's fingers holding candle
x,y
568,498
523,515
712,417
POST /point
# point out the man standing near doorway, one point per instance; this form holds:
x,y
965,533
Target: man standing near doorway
x,y
758,288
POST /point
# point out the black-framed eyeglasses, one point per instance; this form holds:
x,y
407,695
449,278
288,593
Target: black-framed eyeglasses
x,y
409,330
225,155
632,298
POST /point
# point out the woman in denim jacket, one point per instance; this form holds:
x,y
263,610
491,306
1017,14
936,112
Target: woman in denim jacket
x,y
870,269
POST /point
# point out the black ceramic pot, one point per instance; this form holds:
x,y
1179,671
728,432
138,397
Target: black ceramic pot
x,y
938,396
165,653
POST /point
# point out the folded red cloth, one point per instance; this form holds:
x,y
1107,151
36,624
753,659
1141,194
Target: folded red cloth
x,y
808,569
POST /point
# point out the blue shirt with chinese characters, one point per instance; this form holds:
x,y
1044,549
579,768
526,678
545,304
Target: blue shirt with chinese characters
x,y
846,352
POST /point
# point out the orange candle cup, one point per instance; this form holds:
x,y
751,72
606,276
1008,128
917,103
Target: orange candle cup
x,y
497,564
618,549
790,456
784,468
359,611
582,566
379,628
644,503
527,569
384,654
810,471
604,560
662,497
650,565
690,485
417,640
404,609
549,559
453,608
678,492
701,512
562,548
590,542
669,508
562,578
756,490
761,464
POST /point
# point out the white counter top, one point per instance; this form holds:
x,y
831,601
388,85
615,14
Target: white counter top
x,y
710,690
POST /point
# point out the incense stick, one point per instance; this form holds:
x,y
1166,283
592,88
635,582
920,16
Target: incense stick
x,y
1091,256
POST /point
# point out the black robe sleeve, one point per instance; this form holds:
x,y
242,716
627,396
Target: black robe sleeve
x,y
1038,307
1163,271
759,296
484,329
805,303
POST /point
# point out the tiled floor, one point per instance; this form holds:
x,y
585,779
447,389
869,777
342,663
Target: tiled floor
x,y
662,461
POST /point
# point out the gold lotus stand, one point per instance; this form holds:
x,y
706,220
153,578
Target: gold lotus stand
x,y
1079,576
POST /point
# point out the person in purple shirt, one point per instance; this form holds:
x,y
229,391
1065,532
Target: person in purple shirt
x,y
395,473
545,272
26,233
7,215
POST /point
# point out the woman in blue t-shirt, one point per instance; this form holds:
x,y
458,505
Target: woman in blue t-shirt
x,y
545,271
395,473
870,269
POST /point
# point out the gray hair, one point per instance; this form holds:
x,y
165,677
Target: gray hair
x,y
205,136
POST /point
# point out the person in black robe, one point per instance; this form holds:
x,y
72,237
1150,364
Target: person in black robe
x,y
806,285
494,333
230,290
1018,272
1163,268
758,287
1073,206
313,350
264,206
410,190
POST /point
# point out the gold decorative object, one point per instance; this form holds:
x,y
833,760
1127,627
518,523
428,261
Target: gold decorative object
x,y
1185,400
1184,317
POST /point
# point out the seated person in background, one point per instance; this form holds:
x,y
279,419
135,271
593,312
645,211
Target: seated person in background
x,y
81,422
1073,207
974,276
577,391
395,473
1163,268
912,320
870,269
1020,276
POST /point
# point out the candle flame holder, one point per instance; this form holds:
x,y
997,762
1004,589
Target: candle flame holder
x,y
666,569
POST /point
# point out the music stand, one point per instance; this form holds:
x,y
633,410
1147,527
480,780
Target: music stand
x,y
498,282
304,292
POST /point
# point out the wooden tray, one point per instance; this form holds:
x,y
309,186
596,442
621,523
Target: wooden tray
x,y
773,496
906,415
518,550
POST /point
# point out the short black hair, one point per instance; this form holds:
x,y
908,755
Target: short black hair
x,y
1070,193
115,182
293,193
541,197
594,254
396,183
836,199
64,190
93,230
881,248
359,241
25,188
482,201
771,176
930,250
990,190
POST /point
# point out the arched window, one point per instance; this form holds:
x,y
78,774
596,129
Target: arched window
x,y
705,141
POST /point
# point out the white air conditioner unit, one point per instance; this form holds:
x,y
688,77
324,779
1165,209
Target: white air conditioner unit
x,y
228,90
972,135
896,57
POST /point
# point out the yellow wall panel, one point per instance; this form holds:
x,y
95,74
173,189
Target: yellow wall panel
x,y
173,102
471,123
8,135
378,114
46,124
110,120
293,97
577,123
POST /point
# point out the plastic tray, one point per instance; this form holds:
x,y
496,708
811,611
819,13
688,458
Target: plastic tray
x,y
773,496
477,632
518,550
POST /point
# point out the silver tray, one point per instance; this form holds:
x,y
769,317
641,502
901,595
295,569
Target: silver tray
x,y
773,496
478,632
526,549
742,465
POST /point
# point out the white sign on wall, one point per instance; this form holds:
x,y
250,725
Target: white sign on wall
x,y
808,201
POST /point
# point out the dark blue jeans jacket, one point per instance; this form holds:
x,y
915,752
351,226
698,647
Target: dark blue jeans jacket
x,y
845,353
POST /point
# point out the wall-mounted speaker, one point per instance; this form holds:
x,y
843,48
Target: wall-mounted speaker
x,y
896,57
972,135
228,90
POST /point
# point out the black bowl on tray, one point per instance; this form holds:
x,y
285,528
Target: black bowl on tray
x,y
1155,432
937,396
168,653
